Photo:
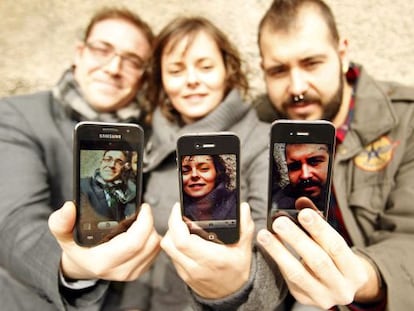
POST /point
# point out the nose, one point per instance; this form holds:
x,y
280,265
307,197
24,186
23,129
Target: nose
x,y
192,76
194,173
305,172
298,82
114,65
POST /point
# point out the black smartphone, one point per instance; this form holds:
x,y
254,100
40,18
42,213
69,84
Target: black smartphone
x,y
301,159
107,179
209,179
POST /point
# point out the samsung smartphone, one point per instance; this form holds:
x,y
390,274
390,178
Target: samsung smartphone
x,y
107,179
209,179
301,159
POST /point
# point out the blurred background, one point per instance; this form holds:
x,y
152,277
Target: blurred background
x,y
37,37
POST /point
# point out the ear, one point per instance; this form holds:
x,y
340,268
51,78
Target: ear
x,y
79,50
344,54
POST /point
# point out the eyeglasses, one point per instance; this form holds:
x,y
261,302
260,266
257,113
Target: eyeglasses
x,y
109,160
104,52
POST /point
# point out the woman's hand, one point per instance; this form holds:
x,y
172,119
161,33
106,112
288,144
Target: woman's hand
x,y
212,270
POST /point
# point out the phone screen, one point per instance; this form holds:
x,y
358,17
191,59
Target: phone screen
x,y
107,187
301,159
209,185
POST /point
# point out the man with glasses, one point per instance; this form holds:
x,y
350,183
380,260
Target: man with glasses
x,y
41,267
109,192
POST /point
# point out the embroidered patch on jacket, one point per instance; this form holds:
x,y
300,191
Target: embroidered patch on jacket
x,y
376,155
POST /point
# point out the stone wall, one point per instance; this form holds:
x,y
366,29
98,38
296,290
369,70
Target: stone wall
x,y
37,37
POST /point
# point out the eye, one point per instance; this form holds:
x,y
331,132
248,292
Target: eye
x,y
207,67
315,161
294,166
276,71
134,61
185,170
175,70
312,63
100,49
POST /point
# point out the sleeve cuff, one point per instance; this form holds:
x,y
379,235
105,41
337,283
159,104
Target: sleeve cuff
x,y
75,284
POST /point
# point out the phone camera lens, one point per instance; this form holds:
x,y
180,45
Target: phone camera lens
x,y
197,146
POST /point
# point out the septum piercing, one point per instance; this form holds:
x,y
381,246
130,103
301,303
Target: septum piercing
x,y
298,98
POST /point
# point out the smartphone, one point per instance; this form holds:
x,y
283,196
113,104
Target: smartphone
x,y
300,164
107,179
209,180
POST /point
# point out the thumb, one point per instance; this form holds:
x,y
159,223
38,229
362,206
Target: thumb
x,y
62,221
246,222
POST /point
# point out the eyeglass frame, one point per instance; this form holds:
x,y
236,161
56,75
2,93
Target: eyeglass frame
x,y
111,52
116,161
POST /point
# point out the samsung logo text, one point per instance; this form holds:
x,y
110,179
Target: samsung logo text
x,y
110,136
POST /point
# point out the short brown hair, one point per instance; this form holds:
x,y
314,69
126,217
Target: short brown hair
x,y
282,14
178,29
122,14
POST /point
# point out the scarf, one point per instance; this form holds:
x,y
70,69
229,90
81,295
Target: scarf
x,y
68,93
221,201
118,190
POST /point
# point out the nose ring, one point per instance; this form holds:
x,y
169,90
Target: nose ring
x,y
298,98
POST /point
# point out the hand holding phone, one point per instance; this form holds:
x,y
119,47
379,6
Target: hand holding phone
x,y
124,258
107,179
208,171
301,158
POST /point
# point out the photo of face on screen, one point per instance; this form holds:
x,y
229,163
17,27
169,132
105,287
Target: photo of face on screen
x,y
209,190
108,189
300,169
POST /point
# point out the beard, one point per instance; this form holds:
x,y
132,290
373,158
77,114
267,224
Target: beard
x,y
330,107
298,190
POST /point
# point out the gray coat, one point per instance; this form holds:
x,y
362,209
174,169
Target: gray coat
x,y
166,289
36,170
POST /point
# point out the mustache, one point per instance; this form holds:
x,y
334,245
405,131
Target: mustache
x,y
306,98
304,183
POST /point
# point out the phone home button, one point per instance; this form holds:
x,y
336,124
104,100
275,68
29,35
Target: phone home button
x,y
107,224
212,236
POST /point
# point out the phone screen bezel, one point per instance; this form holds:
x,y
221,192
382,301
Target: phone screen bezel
x,y
293,132
224,144
86,137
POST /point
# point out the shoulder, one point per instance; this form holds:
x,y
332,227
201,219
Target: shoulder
x,y
397,92
394,92
33,99
31,106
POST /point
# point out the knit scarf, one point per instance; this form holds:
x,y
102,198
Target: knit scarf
x,y
217,199
117,189
68,93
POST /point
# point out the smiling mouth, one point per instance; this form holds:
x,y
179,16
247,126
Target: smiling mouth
x,y
194,96
108,83
196,186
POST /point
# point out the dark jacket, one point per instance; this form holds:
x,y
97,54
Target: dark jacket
x,y
36,166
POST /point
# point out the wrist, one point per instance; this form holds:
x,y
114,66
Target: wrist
x,y
373,290
72,271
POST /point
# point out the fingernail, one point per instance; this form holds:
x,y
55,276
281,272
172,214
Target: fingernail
x,y
264,237
307,216
279,224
